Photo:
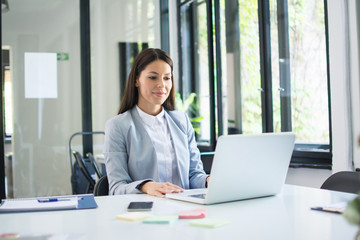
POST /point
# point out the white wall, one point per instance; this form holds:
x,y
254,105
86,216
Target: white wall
x,y
307,177
339,84
354,35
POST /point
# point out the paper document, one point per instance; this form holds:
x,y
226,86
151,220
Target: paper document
x,y
38,204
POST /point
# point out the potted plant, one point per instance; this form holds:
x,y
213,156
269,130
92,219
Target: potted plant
x,y
352,211
352,214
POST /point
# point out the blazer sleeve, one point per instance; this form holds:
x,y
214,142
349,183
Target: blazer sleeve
x,y
197,175
116,158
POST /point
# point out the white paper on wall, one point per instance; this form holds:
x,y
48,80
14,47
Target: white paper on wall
x,y
40,75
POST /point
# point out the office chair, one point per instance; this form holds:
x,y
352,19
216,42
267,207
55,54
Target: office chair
x,y
94,164
345,181
102,186
79,183
80,161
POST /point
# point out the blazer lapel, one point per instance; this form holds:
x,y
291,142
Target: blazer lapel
x,y
148,164
181,151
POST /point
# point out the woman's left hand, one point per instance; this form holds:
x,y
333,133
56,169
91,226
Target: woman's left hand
x,y
160,189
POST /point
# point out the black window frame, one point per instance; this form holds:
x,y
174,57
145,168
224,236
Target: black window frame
x,y
164,25
5,65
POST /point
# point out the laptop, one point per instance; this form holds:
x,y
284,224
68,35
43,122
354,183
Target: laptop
x,y
245,167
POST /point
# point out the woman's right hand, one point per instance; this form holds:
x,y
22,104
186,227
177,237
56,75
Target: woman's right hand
x,y
158,189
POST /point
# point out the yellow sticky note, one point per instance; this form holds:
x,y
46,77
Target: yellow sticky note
x,y
209,223
132,216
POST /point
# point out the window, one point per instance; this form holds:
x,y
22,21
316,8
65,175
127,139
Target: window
x,y
262,68
195,70
299,75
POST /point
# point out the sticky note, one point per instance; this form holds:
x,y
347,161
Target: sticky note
x,y
209,223
192,214
161,219
132,216
9,235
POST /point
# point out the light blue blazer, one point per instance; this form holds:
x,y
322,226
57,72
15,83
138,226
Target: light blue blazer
x,y
130,156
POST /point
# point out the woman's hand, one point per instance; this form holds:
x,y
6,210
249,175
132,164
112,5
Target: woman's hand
x,y
160,189
207,181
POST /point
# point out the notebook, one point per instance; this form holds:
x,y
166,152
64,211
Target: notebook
x,y
72,202
245,167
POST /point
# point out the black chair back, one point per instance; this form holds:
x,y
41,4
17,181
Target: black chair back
x,y
102,187
80,182
345,181
94,164
82,165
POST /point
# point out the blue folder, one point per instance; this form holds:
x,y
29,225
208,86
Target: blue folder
x,y
86,202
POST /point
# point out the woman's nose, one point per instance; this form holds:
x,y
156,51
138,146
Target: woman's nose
x,y
161,83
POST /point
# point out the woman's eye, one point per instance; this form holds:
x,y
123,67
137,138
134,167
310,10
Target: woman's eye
x,y
152,77
167,78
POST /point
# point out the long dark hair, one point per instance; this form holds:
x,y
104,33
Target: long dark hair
x,y
130,95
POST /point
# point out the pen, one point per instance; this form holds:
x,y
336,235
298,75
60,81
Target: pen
x,y
53,200
328,209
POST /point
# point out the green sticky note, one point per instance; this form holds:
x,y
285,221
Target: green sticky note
x,y
209,222
160,219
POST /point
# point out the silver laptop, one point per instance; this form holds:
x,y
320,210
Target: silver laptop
x,y
244,167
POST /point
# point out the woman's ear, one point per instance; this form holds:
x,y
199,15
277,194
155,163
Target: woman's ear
x,y
137,82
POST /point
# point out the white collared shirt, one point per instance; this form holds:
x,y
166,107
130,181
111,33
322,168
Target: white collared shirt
x,y
158,130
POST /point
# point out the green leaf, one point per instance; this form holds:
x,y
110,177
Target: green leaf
x,y
189,101
189,106
352,211
197,119
197,130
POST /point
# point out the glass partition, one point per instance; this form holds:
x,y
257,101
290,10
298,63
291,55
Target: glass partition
x,y
43,87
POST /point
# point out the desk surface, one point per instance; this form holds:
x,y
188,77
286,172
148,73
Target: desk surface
x,y
285,216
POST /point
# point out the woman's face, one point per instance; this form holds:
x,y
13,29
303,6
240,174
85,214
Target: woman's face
x,y
154,85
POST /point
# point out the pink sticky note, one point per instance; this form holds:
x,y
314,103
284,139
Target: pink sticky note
x,y
192,214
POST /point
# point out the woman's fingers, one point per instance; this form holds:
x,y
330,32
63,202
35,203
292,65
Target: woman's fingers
x,y
159,189
168,188
173,188
157,194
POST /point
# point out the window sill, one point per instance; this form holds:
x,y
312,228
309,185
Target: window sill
x,y
311,165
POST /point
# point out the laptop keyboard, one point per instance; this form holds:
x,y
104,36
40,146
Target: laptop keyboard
x,y
198,195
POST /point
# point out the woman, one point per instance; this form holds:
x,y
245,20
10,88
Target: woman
x,y
149,147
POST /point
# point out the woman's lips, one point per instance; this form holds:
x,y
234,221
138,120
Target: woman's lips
x,y
159,94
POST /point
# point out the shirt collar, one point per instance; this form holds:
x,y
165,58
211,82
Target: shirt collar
x,y
150,119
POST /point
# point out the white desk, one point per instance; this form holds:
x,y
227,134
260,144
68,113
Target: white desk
x,y
285,216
